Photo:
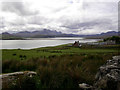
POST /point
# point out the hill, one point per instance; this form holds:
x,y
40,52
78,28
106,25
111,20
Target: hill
x,y
104,35
8,36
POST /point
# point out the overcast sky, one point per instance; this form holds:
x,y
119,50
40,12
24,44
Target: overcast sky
x,y
67,16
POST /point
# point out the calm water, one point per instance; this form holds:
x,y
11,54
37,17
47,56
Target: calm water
x,y
41,42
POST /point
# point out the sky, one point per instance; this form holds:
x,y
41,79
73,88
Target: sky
x,y
68,16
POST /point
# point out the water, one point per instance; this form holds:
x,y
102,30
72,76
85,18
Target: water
x,y
41,42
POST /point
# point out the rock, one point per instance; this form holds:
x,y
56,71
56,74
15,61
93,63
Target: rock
x,y
11,78
85,86
28,73
108,76
116,58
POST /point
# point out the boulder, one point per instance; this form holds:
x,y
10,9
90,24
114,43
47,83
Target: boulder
x,y
11,78
85,86
108,76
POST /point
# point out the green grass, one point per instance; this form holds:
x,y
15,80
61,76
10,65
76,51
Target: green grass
x,y
20,54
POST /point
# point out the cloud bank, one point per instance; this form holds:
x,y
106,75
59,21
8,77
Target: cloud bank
x,y
67,16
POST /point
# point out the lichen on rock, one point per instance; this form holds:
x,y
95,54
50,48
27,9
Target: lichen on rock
x,y
108,76
13,79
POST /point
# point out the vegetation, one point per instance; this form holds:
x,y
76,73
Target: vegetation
x,y
10,37
113,38
61,66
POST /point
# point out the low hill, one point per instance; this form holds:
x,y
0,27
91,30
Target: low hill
x,y
8,36
104,35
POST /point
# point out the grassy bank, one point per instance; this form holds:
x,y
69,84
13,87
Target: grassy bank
x,y
60,66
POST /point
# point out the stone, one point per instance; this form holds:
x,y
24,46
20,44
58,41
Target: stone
x,y
85,86
10,78
108,76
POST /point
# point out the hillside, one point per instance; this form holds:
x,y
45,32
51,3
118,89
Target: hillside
x,y
7,36
104,35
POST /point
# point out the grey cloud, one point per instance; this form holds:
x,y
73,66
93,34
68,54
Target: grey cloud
x,y
19,21
38,20
17,24
59,9
95,24
1,22
102,7
79,25
17,7
100,16
119,16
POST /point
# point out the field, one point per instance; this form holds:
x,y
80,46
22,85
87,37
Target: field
x,y
22,54
60,66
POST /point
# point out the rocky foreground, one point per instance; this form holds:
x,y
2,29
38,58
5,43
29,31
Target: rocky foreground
x,y
107,78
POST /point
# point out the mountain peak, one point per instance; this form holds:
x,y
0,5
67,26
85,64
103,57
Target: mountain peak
x,y
5,33
44,32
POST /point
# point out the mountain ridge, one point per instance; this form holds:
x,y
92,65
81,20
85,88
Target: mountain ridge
x,y
46,33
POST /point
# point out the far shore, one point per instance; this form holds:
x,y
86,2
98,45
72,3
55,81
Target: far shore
x,y
50,38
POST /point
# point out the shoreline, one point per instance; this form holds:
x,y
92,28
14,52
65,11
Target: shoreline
x,y
38,47
42,42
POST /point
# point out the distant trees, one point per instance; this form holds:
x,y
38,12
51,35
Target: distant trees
x,y
113,38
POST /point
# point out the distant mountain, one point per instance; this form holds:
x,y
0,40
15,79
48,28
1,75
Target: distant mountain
x,y
45,33
8,36
103,35
111,33
5,33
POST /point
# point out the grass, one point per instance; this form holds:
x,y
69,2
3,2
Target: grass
x,y
20,54
60,66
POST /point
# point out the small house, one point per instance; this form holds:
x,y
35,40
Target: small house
x,y
76,44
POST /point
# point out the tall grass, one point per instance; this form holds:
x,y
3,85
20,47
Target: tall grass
x,y
65,71
57,67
